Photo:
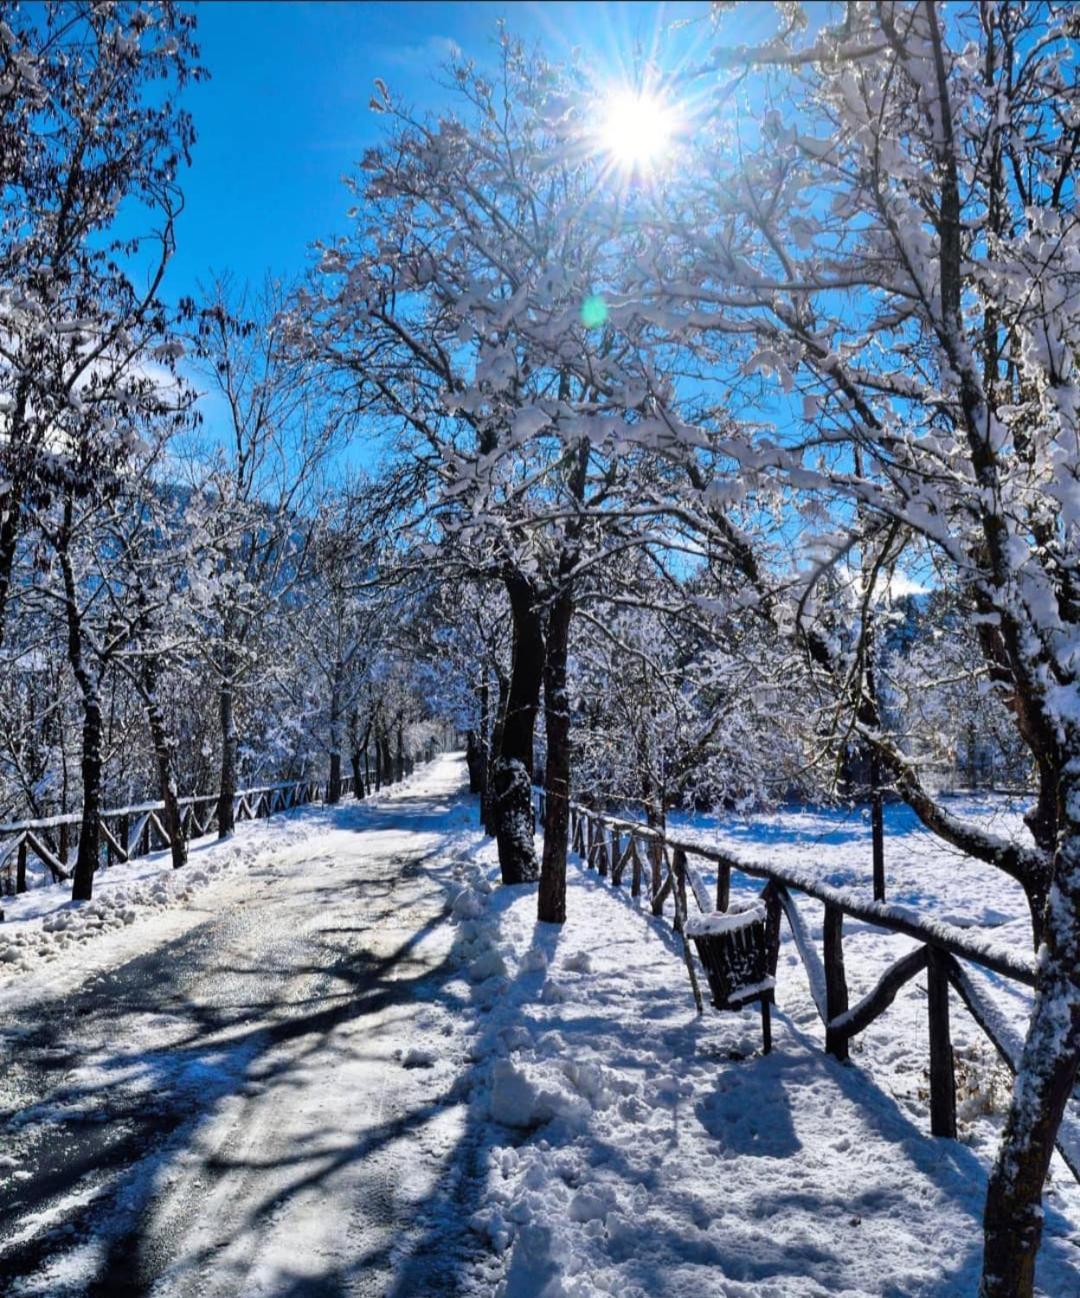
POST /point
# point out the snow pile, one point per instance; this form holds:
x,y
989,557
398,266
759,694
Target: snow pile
x,y
739,915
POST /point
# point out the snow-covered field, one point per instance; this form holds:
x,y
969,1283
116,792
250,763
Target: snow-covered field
x,y
672,1159
373,1072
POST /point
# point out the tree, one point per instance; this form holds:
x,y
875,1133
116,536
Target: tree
x,y
264,455
890,230
467,310
89,122
342,618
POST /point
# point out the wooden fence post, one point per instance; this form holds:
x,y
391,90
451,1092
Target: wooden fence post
x,y
942,1076
836,993
773,911
877,827
678,868
635,867
20,868
723,886
656,868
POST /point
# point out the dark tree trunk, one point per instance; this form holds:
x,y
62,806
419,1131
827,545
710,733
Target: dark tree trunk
x,y
514,764
227,787
9,539
19,444
333,786
487,804
90,828
484,742
474,758
1013,1217
552,898
167,785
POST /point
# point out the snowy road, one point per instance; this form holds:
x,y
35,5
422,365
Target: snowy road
x,y
303,1078
229,1112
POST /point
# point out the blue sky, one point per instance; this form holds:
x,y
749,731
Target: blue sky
x,y
284,114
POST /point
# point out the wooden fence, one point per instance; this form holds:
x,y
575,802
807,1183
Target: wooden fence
x,y
129,832
663,868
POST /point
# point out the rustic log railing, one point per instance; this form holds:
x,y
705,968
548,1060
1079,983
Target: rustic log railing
x,y
662,866
130,832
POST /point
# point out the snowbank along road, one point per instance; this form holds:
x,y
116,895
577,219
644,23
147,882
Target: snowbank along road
x,y
346,1062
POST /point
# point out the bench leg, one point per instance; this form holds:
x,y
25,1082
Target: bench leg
x,y
766,1024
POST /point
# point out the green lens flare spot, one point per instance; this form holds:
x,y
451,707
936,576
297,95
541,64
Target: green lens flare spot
x,y
593,312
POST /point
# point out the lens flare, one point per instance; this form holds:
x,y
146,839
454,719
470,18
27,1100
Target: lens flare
x,y
593,312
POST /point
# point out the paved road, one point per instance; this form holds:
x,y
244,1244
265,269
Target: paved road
x,y
228,1114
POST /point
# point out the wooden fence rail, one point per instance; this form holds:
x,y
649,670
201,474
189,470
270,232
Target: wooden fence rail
x,y
663,866
130,832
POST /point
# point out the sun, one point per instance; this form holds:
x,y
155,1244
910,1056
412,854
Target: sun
x,y
637,129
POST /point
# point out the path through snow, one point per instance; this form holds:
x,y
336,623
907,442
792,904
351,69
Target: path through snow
x,y
228,1112
354,1065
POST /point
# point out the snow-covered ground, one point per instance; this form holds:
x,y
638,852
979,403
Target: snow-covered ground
x,y
136,903
672,1159
351,1063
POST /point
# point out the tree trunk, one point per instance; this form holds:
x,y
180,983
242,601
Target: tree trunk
x,y
90,828
473,760
514,764
552,898
9,539
167,786
333,786
19,443
1013,1217
227,787
484,742
487,805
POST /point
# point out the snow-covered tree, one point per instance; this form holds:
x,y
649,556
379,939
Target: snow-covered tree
x,y
468,308
89,122
882,211
253,478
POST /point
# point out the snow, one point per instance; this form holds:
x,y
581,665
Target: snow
x,y
461,1099
43,925
739,916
